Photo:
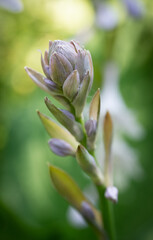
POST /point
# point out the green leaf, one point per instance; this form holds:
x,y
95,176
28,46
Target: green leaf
x,y
70,191
55,131
74,128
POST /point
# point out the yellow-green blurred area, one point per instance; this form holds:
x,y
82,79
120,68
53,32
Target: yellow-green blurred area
x,y
29,206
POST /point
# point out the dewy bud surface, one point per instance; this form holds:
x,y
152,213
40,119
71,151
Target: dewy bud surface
x,y
66,66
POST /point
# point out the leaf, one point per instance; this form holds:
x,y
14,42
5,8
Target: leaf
x,y
72,126
55,131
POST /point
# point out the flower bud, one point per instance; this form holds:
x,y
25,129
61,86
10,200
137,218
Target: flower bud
x,y
111,193
88,165
87,211
69,74
61,148
92,124
91,127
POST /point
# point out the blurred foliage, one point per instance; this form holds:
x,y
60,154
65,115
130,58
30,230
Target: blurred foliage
x,y
29,206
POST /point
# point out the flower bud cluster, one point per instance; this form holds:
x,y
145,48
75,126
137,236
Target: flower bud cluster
x,y
68,73
68,78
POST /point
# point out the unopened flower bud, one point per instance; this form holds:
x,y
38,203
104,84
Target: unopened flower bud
x,y
61,148
111,193
88,165
87,211
91,127
92,124
69,74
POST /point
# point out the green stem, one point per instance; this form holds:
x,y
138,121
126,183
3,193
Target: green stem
x,y
107,213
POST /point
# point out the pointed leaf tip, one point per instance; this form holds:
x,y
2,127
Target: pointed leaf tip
x,y
95,106
55,130
66,187
108,131
70,191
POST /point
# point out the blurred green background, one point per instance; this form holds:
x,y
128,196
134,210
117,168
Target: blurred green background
x,y
29,206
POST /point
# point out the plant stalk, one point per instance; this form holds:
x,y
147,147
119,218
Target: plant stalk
x,y
107,214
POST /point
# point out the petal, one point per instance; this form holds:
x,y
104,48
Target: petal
x,y
80,99
61,148
60,68
56,89
71,85
38,78
45,67
80,64
76,46
91,127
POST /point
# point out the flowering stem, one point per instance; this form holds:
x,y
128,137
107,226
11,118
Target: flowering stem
x,y
107,213
105,204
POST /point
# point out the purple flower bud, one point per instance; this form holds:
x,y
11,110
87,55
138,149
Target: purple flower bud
x,y
69,73
53,86
91,127
61,148
68,114
112,194
87,211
